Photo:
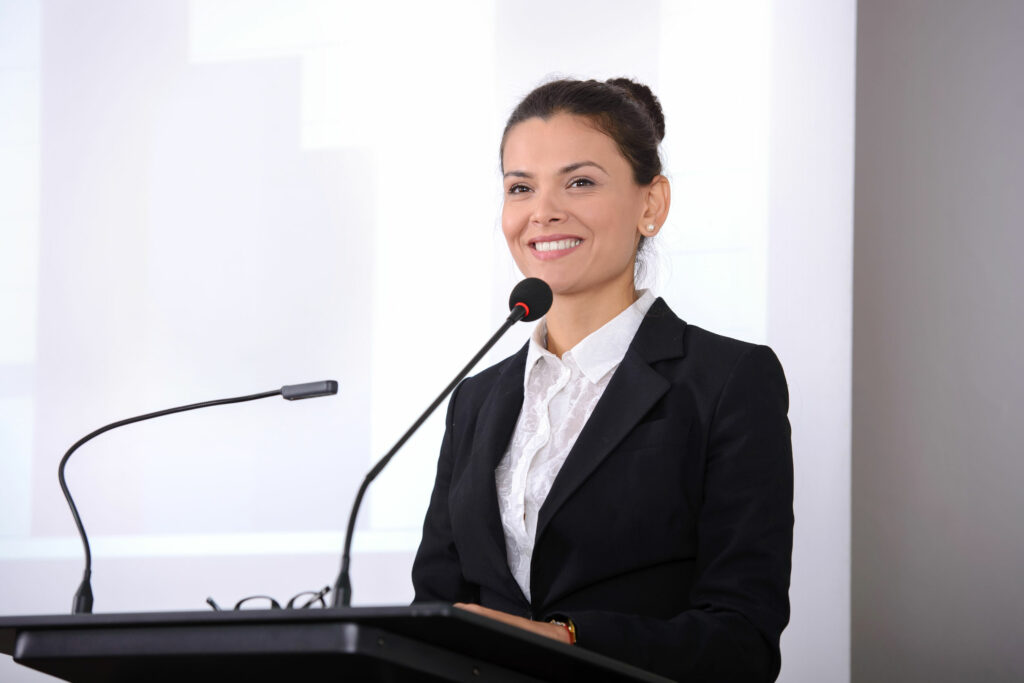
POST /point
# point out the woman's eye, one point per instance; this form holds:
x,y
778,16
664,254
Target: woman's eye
x,y
580,182
517,189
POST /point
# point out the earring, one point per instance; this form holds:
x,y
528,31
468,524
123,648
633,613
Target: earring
x,y
650,228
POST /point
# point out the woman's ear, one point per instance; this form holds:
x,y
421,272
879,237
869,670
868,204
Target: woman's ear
x,y
657,198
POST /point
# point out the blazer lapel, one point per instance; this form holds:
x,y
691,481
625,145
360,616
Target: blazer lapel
x,y
633,390
497,420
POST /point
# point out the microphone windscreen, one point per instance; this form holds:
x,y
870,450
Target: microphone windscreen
x,y
534,295
293,392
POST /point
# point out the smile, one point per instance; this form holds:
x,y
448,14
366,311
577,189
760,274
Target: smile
x,y
556,245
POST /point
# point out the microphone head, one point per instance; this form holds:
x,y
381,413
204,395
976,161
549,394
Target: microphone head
x,y
533,296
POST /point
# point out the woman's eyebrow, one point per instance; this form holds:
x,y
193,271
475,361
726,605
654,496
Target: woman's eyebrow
x,y
562,171
580,164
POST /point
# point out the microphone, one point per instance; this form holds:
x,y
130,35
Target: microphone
x,y
533,297
82,602
530,300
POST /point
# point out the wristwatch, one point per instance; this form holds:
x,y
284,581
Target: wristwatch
x,y
569,626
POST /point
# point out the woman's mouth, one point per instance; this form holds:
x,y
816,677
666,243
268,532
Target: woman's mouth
x,y
554,248
556,245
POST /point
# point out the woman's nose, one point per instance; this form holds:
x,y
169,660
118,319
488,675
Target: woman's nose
x,y
547,209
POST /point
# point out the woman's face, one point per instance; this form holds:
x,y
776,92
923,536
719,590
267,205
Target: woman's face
x,y
572,213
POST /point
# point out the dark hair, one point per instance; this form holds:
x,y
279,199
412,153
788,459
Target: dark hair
x,y
625,111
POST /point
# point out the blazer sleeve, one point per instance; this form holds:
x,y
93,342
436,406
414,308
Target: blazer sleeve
x,y
436,571
739,598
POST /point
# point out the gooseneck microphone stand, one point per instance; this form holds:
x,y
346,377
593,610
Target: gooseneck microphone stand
x,y
530,299
82,602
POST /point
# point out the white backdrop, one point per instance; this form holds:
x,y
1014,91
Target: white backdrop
x,y
211,198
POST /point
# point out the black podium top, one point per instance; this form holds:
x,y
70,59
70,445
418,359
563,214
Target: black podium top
x,y
428,642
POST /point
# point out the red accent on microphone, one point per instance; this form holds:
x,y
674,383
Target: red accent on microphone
x,y
525,308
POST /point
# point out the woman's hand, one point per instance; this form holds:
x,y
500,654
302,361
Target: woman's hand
x,y
553,631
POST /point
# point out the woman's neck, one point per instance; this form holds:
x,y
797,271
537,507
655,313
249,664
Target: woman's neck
x,y
573,317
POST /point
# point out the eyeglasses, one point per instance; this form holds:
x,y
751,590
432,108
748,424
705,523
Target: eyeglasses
x,y
304,600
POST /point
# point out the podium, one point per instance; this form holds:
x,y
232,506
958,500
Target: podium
x,y
429,642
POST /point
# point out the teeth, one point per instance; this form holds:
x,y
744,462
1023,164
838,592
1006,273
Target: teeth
x,y
553,246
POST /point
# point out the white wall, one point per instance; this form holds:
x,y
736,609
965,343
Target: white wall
x,y
809,320
208,198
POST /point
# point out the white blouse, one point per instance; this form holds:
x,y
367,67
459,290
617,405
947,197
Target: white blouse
x,y
559,397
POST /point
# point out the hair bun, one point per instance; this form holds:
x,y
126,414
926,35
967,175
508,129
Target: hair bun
x,y
647,99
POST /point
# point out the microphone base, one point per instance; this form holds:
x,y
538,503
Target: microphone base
x,y
82,602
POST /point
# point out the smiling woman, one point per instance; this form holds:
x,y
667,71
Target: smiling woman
x,y
576,225
625,481
567,119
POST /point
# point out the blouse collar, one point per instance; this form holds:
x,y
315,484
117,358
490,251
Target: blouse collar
x,y
600,351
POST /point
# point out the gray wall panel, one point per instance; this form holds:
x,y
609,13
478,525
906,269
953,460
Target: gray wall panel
x,y
938,377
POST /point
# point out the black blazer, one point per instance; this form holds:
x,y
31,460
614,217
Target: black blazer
x,y
668,532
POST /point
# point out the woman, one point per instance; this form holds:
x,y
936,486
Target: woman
x,y
624,482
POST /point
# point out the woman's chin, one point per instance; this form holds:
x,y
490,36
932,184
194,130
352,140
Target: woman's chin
x,y
560,285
